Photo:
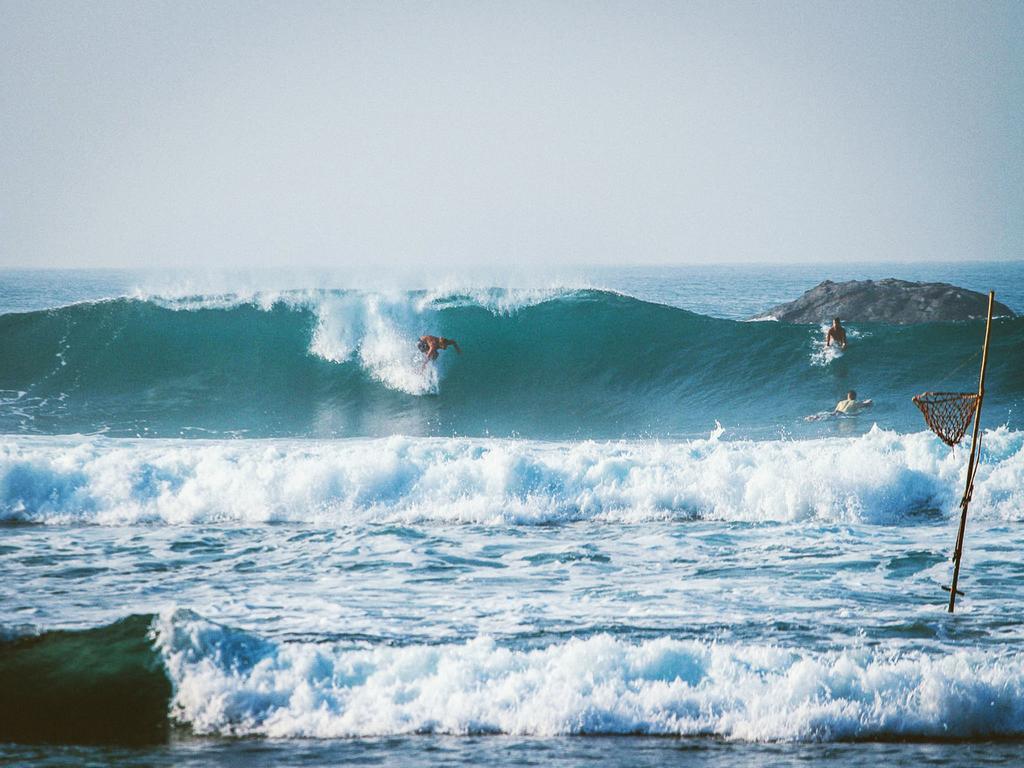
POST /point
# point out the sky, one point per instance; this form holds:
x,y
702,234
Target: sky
x,y
389,134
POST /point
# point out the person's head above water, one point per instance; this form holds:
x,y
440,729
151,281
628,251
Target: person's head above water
x,y
851,395
835,322
422,345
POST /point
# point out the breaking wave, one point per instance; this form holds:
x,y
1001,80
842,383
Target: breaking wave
x,y
228,682
881,477
548,364
147,673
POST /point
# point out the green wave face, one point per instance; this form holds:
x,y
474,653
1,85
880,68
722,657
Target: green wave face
x,y
576,365
106,685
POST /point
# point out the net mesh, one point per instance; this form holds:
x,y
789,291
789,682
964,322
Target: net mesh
x,y
947,414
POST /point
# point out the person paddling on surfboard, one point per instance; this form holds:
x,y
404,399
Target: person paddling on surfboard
x,y
430,345
836,333
851,404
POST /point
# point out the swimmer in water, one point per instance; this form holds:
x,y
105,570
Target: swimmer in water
x,y
431,345
836,333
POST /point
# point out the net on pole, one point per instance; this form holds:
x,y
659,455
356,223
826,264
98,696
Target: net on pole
x,y
948,414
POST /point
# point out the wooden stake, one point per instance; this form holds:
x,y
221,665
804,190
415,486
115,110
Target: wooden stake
x,y
972,461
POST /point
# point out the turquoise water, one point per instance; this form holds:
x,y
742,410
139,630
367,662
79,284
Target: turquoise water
x,y
241,526
552,363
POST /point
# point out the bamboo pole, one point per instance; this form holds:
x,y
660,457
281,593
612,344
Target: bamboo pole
x,y
972,461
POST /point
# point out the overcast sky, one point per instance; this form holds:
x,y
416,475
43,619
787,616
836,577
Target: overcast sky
x,y
306,133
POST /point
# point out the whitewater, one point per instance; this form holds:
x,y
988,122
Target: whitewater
x,y
258,517
881,477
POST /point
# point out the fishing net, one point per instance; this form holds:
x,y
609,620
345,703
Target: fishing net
x,y
947,414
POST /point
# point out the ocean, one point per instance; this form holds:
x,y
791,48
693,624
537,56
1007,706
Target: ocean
x,y
241,524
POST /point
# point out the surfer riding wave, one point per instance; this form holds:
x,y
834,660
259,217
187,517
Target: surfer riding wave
x,y
431,345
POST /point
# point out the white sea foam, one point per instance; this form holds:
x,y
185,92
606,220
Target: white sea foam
x,y
493,299
229,682
500,301
881,477
381,333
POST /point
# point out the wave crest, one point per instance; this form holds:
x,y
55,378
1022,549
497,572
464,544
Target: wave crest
x,y
228,682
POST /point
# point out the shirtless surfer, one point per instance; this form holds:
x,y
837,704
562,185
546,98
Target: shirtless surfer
x,y
848,407
851,404
430,345
836,333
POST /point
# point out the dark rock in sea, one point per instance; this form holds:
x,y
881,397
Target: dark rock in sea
x,y
885,301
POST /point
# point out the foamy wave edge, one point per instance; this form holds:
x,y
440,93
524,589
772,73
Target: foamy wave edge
x,y
494,299
232,683
881,477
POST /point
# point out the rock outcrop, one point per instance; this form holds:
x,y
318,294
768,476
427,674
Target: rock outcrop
x,y
885,301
